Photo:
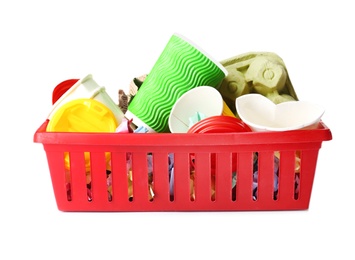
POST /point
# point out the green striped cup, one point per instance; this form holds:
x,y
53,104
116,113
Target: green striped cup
x,y
180,67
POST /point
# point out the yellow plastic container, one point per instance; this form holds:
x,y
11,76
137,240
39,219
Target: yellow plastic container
x,y
83,115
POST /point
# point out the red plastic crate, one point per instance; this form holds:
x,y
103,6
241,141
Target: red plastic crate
x,y
231,153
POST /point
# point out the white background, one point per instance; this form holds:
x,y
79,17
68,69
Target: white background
x,y
45,42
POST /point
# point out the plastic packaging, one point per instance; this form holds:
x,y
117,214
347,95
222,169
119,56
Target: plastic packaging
x,y
87,87
226,149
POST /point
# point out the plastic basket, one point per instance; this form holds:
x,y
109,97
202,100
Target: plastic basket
x,y
232,156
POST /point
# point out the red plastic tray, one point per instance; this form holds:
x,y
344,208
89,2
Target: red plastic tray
x,y
229,150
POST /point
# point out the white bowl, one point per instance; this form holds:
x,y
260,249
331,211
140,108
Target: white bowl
x,y
261,114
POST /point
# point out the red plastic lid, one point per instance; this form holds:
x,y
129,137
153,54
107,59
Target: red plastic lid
x,y
61,88
219,124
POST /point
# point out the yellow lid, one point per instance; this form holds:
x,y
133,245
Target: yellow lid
x,y
83,115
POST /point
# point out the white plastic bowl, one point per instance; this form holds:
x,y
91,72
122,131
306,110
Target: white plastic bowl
x,y
261,114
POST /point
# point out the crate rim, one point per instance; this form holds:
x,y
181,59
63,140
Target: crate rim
x,y
322,133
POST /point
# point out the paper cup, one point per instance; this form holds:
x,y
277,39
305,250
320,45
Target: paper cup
x,y
205,100
180,67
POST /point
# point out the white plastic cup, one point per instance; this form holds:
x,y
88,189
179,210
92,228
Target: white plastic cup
x,y
204,99
88,88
